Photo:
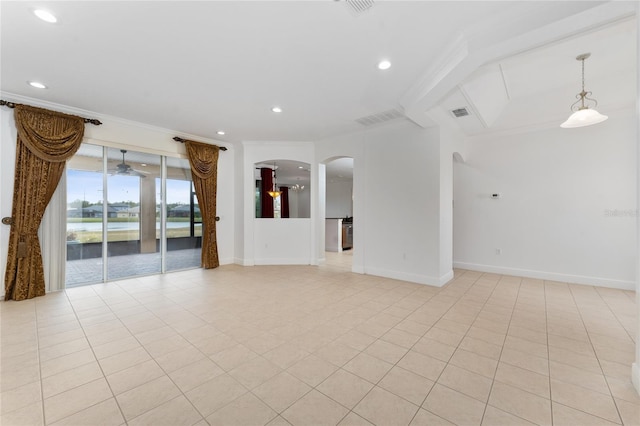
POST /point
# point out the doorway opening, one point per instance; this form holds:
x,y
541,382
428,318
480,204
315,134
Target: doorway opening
x,y
457,161
339,218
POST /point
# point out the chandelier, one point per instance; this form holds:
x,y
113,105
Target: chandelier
x,y
274,192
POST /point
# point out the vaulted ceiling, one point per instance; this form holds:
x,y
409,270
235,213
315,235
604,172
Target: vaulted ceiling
x,y
203,66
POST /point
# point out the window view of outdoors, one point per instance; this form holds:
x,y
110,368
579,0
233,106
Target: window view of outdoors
x,y
184,221
133,216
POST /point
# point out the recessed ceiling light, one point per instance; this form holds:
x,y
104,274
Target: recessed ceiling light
x,y
301,167
276,109
36,84
143,164
384,65
220,132
45,16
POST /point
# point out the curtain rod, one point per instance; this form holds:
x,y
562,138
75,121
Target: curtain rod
x,y
86,120
179,139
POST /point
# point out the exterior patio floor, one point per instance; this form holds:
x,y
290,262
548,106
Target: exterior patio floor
x,y
89,271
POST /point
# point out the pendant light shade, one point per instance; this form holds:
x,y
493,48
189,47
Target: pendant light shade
x,y
583,114
583,117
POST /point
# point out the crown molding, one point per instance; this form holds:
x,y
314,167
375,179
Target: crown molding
x,y
108,119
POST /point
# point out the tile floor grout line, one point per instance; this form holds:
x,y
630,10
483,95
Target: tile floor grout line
x,y
457,347
341,367
374,384
546,327
614,314
144,348
615,404
104,376
208,357
159,366
513,308
35,310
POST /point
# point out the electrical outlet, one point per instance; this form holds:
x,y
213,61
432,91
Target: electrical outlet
x,y
498,251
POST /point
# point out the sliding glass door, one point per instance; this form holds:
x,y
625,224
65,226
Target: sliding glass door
x,y
84,216
125,236
132,216
184,221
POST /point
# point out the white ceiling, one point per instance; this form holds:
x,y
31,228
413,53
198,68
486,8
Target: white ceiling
x,y
201,66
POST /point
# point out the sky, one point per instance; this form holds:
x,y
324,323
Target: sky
x,y
82,185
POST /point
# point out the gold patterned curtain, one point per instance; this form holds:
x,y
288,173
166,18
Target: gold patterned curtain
x,y
203,159
46,139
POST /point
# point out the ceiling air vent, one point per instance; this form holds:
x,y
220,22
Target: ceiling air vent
x,y
358,6
460,112
380,117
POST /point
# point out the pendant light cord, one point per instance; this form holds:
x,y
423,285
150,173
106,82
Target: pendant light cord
x,y
583,93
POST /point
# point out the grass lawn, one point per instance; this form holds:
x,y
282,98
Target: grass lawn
x,y
122,219
124,235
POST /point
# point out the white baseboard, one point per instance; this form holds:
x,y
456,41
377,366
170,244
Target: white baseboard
x,y
550,276
281,261
446,278
635,376
357,269
241,261
413,278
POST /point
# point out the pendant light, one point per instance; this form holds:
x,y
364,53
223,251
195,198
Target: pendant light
x,y
274,193
583,115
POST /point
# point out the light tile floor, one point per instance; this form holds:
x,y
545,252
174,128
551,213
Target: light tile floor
x,y
306,345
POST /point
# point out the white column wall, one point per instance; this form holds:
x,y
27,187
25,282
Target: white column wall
x,y
397,204
635,369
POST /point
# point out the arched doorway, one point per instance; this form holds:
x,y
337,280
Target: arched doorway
x,y
338,213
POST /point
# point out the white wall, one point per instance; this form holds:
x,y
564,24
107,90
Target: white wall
x,y
403,203
396,202
118,133
557,216
339,202
276,241
282,241
7,169
239,205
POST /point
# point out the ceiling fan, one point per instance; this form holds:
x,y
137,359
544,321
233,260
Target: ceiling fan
x,y
123,169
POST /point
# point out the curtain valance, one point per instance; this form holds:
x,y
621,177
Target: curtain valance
x,y
49,135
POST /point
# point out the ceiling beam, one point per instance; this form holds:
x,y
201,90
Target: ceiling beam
x,y
493,41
